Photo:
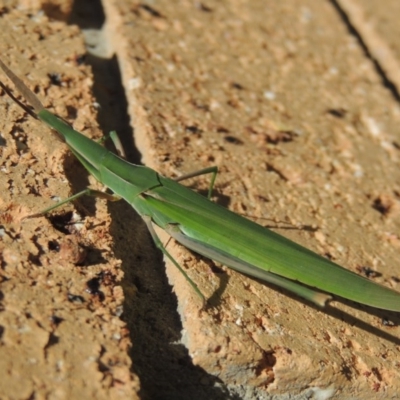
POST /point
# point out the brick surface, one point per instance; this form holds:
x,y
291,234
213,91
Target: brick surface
x,y
288,103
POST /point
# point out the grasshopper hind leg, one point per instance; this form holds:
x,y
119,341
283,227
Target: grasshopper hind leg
x,y
159,245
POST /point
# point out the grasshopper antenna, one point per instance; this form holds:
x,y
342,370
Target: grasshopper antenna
x,y
23,89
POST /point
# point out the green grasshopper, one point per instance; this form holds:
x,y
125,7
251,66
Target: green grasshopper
x,y
208,228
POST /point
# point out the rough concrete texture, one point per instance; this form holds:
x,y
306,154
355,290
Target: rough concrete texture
x,y
299,110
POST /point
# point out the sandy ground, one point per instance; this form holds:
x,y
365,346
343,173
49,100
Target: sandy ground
x,y
298,106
